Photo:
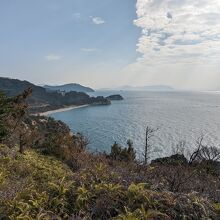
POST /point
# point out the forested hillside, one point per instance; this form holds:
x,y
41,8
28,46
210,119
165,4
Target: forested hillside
x,y
43,100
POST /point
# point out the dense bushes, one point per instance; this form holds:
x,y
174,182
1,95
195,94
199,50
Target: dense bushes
x,y
122,153
31,184
34,186
4,109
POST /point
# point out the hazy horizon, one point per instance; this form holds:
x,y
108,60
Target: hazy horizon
x,y
106,44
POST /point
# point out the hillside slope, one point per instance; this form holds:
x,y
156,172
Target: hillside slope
x,y
69,87
45,188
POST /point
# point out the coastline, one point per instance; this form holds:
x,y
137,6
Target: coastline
x,y
61,110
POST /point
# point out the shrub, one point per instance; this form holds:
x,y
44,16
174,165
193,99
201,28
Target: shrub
x,y
122,154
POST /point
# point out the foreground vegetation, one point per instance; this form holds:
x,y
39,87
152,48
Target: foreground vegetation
x,y
47,173
34,186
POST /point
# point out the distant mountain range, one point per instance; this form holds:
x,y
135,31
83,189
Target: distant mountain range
x,y
69,88
43,100
144,88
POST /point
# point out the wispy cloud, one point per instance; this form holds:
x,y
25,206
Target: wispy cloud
x,y
89,49
98,20
52,57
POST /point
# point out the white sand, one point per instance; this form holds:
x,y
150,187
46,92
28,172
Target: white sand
x,y
61,110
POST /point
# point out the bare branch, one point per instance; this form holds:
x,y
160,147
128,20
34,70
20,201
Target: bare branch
x,y
150,133
194,156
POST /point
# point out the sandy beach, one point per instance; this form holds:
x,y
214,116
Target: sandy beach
x,y
62,110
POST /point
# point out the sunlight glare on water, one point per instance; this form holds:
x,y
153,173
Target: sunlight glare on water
x,y
178,115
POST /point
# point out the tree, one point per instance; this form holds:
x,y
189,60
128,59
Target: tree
x,y
131,154
209,153
195,155
150,133
25,136
81,141
12,113
5,109
115,151
122,153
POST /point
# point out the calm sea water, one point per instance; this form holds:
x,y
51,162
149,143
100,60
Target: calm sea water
x,y
178,115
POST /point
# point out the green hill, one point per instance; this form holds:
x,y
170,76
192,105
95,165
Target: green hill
x,y
43,100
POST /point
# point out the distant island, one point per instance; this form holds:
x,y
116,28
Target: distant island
x,y
69,88
43,100
114,97
159,88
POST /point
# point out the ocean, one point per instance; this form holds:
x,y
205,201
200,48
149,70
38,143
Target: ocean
x,y
178,116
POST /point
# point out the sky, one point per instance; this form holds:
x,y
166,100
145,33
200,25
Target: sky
x,y
110,43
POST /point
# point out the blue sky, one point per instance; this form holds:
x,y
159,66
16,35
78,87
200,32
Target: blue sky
x,y
107,43
54,41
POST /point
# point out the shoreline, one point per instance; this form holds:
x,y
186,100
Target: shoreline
x,y
61,110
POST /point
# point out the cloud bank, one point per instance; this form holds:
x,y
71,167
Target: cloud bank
x,y
183,29
176,33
